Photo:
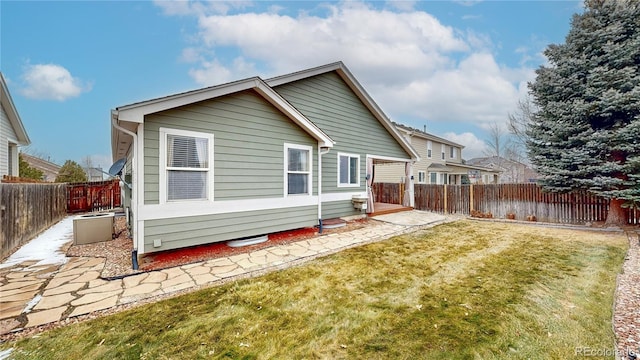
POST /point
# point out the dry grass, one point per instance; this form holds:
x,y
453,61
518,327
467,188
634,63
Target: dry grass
x,y
458,291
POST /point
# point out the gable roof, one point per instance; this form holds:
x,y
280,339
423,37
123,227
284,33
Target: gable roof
x,y
12,114
355,86
494,160
134,113
40,164
425,135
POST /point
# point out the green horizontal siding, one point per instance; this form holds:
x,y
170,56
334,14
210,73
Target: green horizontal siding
x,y
329,102
336,209
249,137
196,230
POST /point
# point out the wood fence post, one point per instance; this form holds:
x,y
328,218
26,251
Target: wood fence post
x,y
471,209
445,198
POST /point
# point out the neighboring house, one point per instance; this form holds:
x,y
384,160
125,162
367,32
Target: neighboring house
x,y
251,157
94,174
49,170
12,133
440,162
510,171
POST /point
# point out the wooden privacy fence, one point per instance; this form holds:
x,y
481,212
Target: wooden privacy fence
x,y
521,200
28,209
390,193
93,196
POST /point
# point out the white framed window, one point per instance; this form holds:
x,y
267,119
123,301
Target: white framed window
x,y
433,178
443,150
348,170
453,152
297,168
429,146
186,165
422,177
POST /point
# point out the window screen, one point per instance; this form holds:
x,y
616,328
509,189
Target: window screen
x,y
187,167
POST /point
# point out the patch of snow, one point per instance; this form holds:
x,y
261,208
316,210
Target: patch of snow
x,y
32,303
46,247
4,354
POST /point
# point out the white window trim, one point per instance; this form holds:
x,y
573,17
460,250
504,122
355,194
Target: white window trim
x,y
286,168
453,153
162,186
424,177
429,149
443,151
340,185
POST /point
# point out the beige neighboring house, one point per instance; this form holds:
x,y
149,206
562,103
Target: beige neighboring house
x,y
12,133
49,169
440,162
510,171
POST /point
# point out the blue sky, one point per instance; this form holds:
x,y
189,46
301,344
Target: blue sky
x,y
455,66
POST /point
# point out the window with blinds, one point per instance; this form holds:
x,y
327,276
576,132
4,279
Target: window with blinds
x,y
186,164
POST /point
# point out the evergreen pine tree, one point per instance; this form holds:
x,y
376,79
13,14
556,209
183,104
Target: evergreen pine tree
x,y
26,171
586,131
71,172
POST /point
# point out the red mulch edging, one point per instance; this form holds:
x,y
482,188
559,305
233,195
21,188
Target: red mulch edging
x,y
171,258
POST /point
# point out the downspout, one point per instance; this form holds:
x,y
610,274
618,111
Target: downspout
x,y
320,153
134,193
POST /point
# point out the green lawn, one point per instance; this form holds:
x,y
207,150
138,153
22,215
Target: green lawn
x,y
464,290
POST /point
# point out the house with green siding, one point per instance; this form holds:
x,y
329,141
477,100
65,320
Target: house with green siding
x,y
251,157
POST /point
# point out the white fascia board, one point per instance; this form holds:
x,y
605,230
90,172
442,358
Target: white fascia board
x,y
346,75
12,114
431,137
303,74
136,112
355,86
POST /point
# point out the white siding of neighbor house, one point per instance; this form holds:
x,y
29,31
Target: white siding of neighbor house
x,y
7,136
394,173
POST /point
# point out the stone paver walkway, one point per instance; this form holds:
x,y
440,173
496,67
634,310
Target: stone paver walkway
x,y
33,296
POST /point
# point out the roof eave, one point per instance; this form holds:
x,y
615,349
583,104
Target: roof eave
x,y
12,114
135,113
355,86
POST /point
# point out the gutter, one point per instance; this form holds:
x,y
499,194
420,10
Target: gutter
x,y
320,153
134,193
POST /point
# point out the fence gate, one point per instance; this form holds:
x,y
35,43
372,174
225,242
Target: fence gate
x,y
93,196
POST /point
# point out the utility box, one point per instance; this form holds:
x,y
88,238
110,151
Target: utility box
x,y
92,228
359,202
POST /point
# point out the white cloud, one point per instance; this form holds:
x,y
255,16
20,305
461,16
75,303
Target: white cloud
x,y
412,65
473,147
475,91
214,73
190,55
188,7
51,82
402,5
